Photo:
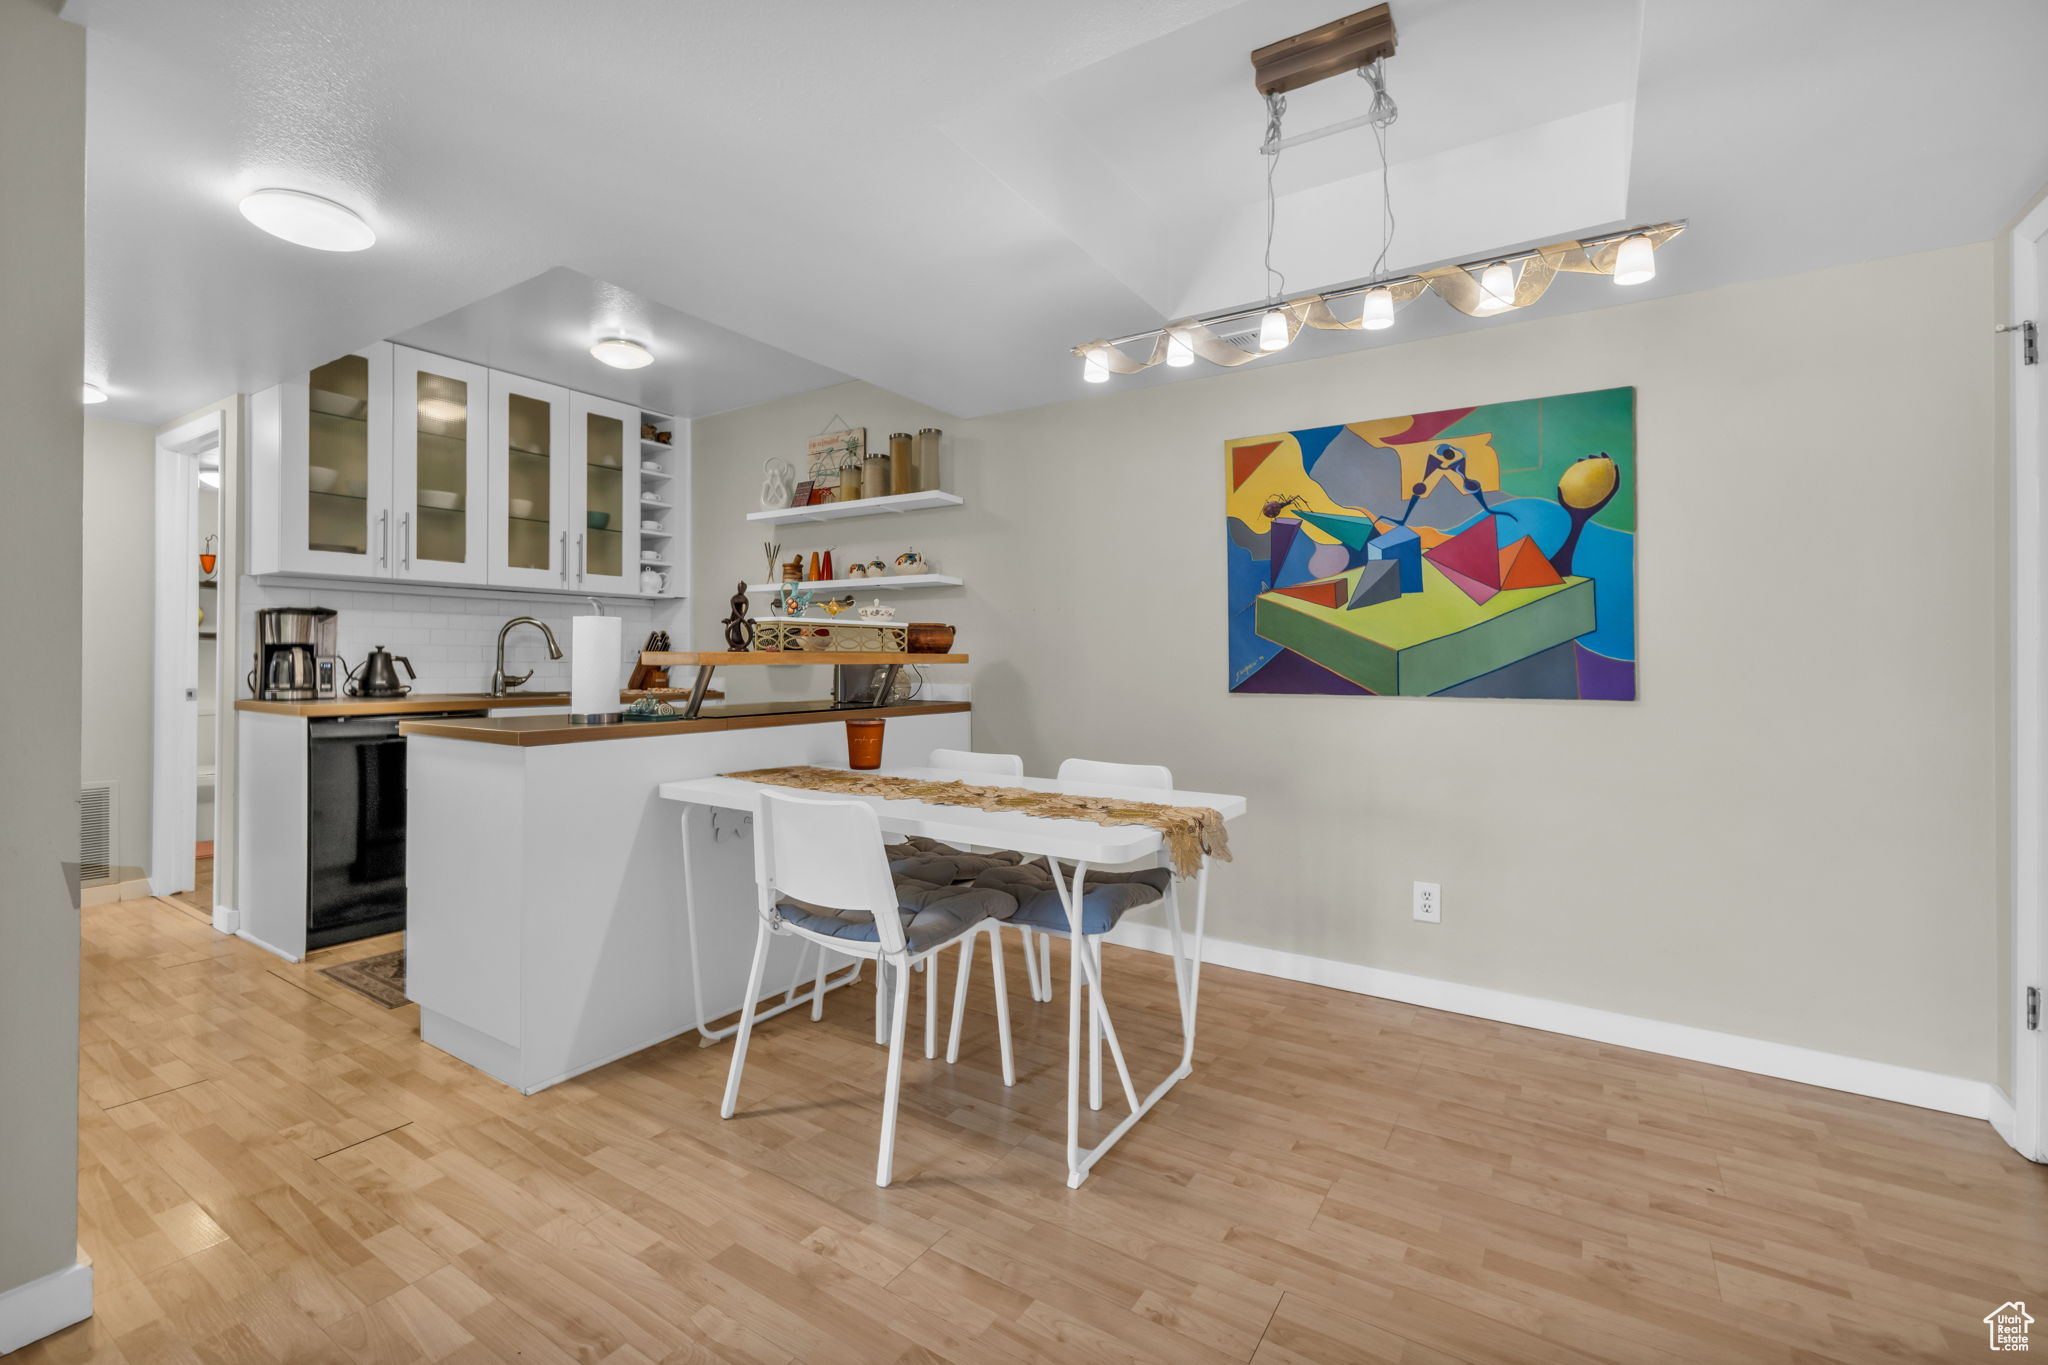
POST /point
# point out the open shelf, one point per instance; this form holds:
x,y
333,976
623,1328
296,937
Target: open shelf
x,y
857,585
860,507
722,658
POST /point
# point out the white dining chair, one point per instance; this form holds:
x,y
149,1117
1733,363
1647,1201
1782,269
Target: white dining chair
x,y
821,875
1003,765
1109,894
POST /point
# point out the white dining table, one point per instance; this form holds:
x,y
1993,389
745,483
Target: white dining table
x,y
1079,844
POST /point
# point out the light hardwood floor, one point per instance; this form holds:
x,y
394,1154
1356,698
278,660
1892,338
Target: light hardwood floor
x,y
274,1168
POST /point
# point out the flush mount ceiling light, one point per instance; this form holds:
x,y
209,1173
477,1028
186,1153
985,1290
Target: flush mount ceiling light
x,y
92,395
307,220
622,354
1487,286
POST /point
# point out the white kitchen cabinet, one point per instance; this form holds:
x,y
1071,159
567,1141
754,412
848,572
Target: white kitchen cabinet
x,y
530,489
441,457
320,470
391,463
604,500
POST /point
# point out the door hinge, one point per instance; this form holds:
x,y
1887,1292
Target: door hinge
x,y
2033,1007
2030,341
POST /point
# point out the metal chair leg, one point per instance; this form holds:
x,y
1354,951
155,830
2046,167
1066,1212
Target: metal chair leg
x,y
960,997
995,948
739,1047
893,1089
1091,944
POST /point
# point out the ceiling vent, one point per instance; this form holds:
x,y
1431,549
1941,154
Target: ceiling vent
x,y
1247,340
96,832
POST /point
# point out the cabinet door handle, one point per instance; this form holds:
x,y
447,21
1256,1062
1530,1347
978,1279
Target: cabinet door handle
x,y
582,558
565,559
384,539
405,542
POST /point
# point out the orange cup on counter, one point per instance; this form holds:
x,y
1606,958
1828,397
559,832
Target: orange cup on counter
x,y
864,744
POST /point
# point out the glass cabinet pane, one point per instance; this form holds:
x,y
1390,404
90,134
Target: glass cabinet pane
x,y
604,475
442,414
338,458
529,472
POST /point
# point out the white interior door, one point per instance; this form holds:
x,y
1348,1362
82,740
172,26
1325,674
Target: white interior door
x,y
174,768
2029,378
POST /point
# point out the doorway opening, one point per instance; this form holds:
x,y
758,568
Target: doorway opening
x,y
194,635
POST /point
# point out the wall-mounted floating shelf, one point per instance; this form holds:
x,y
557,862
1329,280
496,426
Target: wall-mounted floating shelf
x,y
860,507
907,580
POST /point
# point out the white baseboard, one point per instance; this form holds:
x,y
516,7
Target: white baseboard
x,y
32,1311
1856,1075
245,935
115,891
226,920
2004,1117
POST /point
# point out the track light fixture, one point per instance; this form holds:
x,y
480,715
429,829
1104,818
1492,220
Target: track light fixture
x,y
1485,287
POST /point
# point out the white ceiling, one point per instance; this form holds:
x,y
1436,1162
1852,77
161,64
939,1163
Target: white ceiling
x,y
941,198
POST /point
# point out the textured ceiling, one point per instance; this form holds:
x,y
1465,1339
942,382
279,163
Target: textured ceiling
x,y
865,190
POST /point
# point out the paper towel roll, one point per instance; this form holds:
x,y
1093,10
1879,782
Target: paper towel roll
x,y
594,643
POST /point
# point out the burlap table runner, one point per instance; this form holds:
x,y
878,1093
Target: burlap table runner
x,y
1190,831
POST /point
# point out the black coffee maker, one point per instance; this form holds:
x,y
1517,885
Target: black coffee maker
x,y
295,658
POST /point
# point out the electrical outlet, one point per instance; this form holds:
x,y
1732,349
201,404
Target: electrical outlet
x,y
1429,902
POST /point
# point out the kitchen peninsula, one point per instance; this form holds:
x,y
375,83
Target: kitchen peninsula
x,y
546,929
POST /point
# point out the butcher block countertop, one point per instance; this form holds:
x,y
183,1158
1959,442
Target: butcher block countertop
x,y
410,704
528,731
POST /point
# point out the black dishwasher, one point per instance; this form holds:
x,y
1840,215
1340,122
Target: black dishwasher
x,y
355,826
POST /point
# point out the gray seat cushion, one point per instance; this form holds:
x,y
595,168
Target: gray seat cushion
x,y
1106,897
931,914
928,860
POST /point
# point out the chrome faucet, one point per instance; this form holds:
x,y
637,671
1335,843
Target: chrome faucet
x,y
500,684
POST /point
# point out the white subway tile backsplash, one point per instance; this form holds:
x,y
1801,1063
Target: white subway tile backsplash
x,y
451,641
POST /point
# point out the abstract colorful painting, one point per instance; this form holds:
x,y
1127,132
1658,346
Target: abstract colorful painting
x,y
1475,552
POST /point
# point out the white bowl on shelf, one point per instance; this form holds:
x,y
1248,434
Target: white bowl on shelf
x,y
321,479
440,498
522,507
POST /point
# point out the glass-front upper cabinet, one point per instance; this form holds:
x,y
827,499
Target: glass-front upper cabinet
x,y
320,470
530,484
605,495
441,454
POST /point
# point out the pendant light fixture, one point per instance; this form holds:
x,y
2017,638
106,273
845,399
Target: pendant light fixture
x,y
1635,260
1496,290
1485,287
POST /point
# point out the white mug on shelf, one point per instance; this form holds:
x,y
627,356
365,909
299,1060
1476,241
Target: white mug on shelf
x,y
650,526
651,556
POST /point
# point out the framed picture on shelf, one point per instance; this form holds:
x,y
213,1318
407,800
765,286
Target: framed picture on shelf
x,y
802,496
833,452
821,496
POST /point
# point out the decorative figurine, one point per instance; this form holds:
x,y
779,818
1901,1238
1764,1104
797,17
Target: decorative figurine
x,y
876,568
834,605
910,562
791,600
778,481
739,631
877,612
793,571
856,570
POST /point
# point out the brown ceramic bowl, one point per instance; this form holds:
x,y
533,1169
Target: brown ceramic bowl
x,y
930,637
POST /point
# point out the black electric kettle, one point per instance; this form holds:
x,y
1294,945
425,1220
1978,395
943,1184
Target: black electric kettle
x,y
377,675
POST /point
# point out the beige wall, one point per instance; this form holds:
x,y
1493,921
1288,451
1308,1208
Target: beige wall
x,y
1791,836
42,169
119,571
